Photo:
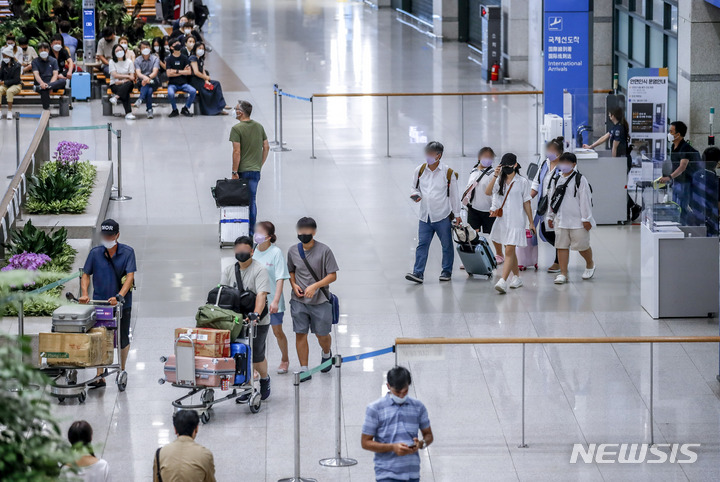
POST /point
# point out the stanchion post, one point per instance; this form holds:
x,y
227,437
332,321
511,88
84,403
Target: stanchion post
x,y
338,460
275,95
296,477
387,123
312,127
109,129
119,196
462,125
281,146
523,445
21,318
537,124
395,350
17,140
652,417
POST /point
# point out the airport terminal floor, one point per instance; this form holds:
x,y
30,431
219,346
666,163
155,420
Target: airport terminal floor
x,y
575,393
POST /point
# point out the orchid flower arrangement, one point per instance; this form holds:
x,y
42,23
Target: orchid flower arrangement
x,y
26,261
68,153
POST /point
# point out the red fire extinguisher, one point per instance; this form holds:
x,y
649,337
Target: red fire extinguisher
x,y
495,73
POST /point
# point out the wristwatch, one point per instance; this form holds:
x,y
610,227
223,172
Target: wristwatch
x,y
421,444
120,298
235,173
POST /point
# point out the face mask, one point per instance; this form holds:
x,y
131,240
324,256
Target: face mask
x,y
156,48
6,60
430,160
109,244
145,51
187,31
565,168
177,48
671,138
259,238
551,156
190,45
10,44
305,238
123,45
167,49
508,169
200,52
23,49
44,54
57,47
182,22
120,54
242,257
486,162
398,400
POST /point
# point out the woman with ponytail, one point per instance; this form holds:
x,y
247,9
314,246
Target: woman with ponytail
x,y
511,208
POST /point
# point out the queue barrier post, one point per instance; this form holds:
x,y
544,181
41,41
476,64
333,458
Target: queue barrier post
x,y
296,477
523,445
537,125
17,142
652,411
338,460
21,319
387,124
119,196
275,95
462,125
109,131
312,128
281,146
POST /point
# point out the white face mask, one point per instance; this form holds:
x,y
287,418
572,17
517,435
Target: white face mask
x,y
200,52
6,60
10,44
670,137
190,45
398,400
156,48
146,51
187,31
44,54
124,45
109,244
57,47
120,54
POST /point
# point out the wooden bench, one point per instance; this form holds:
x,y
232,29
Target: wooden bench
x,y
160,96
147,10
28,96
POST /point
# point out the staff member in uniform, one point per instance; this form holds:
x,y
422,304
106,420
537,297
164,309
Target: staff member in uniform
x,y
681,153
112,267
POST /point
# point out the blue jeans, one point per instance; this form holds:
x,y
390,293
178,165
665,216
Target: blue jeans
x,y
254,179
398,480
426,230
185,88
146,92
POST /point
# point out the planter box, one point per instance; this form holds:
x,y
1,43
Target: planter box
x,y
80,226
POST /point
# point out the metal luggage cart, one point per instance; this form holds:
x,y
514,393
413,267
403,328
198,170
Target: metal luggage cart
x,y
185,378
71,388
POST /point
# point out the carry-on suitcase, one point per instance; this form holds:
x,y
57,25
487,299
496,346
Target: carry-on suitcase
x,y
241,351
231,192
528,255
234,222
209,371
73,318
478,259
80,85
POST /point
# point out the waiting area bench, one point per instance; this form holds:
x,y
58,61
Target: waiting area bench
x,y
160,96
27,96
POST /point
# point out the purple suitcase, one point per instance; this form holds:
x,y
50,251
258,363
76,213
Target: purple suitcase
x,y
528,255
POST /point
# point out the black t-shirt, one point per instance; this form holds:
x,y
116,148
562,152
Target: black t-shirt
x,y
685,151
179,63
45,68
619,133
62,58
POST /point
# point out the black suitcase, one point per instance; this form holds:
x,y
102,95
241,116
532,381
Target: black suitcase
x,y
231,192
225,297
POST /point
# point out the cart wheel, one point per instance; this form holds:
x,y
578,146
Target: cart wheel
x,y
163,359
161,381
535,267
489,277
122,380
255,403
71,377
207,396
82,396
205,417
61,399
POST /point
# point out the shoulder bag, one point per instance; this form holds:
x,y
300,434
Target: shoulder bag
x,y
559,194
469,195
497,213
157,464
334,301
544,202
247,297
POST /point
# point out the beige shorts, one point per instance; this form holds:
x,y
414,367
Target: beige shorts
x,y
10,92
575,239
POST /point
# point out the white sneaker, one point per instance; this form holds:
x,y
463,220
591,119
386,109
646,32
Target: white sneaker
x,y
9,115
130,116
113,99
516,282
561,279
588,273
138,103
501,286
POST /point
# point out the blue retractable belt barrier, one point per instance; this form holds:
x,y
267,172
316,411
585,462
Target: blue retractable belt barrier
x,y
30,116
371,354
234,221
285,94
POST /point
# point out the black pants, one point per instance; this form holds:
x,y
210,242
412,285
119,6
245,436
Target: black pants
x,y
480,220
123,92
549,237
45,93
168,7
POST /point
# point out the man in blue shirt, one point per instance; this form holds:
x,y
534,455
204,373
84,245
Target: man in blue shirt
x,y
112,267
70,42
391,430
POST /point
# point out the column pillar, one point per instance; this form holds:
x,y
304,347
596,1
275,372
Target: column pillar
x,y
445,19
602,62
516,34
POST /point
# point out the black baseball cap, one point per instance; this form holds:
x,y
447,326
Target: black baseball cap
x,y
508,159
109,227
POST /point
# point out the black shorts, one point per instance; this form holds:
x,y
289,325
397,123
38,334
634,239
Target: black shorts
x,y
259,343
125,327
480,220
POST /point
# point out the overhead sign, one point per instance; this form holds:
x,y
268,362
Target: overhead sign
x,y
647,97
567,45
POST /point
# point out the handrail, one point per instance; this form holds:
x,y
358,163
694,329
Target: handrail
x,y
37,153
427,94
552,340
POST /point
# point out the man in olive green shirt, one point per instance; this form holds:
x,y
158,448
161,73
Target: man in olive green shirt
x,y
250,150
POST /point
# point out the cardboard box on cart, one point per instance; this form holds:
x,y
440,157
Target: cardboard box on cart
x,y
72,349
208,341
108,344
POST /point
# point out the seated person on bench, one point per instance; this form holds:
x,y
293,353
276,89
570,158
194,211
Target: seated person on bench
x,y
178,71
10,83
147,69
45,70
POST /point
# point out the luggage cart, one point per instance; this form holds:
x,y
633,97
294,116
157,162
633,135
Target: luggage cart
x,y
64,382
186,378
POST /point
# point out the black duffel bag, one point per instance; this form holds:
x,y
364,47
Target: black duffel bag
x,y
226,297
231,192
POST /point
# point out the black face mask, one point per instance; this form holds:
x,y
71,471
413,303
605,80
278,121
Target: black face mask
x,y
508,169
305,238
177,48
242,257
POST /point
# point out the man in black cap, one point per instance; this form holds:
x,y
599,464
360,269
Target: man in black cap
x,y
112,267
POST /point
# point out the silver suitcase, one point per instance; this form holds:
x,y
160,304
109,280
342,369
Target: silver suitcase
x,y
234,222
73,318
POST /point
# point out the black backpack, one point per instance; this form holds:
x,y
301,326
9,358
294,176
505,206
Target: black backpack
x,y
225,297
247,297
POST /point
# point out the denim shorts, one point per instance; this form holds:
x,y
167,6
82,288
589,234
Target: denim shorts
x,y
276,318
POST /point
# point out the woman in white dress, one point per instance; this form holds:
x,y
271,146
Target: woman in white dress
x,y
89,468
511,207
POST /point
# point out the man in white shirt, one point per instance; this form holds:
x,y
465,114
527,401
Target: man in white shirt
x,y
571,216
435,187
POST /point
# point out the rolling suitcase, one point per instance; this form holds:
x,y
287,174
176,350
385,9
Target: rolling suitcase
x,y
234,222
209,371
528,255
242,353
478,259
73,319
80,85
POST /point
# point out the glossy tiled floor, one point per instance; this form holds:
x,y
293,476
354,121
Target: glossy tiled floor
x,y
586,394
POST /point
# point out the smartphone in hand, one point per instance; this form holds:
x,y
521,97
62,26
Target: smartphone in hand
x,y
415,197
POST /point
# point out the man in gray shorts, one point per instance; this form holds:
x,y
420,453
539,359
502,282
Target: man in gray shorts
x,y
310,307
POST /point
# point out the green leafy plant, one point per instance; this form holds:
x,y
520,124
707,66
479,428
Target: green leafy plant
x,y
61,189
34,240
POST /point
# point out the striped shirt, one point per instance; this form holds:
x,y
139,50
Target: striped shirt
x,y
389,422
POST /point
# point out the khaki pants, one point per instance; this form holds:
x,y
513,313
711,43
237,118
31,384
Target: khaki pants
x,y
10,92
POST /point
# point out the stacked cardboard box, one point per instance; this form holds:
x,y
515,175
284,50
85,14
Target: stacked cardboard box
x,y
108,345
208,341
72,349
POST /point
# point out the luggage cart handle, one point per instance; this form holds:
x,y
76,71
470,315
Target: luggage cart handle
x,y
71,297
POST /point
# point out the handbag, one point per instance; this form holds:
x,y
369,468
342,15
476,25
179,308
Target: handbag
x,y
334,301
208,86
497,213
559,194
231,192
469,194
544,202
